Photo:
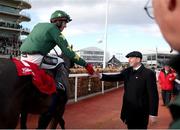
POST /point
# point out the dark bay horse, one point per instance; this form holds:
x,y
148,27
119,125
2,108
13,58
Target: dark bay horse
x,y
57,117
13,91
18,95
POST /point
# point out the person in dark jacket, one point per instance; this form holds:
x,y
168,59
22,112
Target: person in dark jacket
x,y
140,100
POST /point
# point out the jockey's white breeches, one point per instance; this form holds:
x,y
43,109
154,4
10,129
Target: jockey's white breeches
x,y
37,59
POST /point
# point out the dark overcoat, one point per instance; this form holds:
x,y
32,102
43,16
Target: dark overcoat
x,y
174,106
140,94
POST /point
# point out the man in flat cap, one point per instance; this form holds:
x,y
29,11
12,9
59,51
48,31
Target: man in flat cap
x,y
140,100
134,54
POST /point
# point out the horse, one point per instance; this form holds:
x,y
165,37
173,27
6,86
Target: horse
x,y
13,90
62,99
18,95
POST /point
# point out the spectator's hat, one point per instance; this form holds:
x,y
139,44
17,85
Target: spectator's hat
x,y
134,54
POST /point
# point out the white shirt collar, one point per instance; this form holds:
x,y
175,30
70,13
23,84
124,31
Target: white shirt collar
x,y
136,68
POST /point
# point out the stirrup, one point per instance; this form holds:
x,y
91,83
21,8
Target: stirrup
x,y
60,86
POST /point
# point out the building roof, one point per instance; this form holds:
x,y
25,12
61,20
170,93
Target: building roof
x,y
114,61
161,52
91,49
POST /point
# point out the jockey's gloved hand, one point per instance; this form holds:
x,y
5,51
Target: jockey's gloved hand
x,y
89,68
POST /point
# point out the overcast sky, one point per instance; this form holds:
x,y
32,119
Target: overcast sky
x,y
129,27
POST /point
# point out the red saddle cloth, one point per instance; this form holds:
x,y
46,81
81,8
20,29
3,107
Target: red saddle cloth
x,y
44,82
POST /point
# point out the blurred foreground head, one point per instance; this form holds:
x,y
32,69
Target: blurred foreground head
x,y
167,15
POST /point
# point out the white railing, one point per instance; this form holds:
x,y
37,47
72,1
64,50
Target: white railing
x,y
76,76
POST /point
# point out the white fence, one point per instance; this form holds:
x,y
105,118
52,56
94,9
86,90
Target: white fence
x,y
76,76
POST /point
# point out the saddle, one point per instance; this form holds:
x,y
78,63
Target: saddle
x,y
44,82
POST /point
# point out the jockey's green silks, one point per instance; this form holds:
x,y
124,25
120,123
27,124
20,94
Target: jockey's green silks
x,y
44,37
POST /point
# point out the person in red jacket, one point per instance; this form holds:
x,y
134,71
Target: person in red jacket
x,y
166,79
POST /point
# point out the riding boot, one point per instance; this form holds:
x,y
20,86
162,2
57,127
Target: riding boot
x,y
44,120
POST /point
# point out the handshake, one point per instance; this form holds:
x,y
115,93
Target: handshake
x,y
91,71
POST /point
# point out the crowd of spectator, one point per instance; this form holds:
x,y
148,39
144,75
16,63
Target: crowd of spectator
x,y
10,25
9,46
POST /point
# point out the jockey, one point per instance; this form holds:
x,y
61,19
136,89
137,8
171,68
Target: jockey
x,y
42,39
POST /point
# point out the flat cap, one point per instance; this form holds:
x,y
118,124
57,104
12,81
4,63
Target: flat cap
x,y
134,54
